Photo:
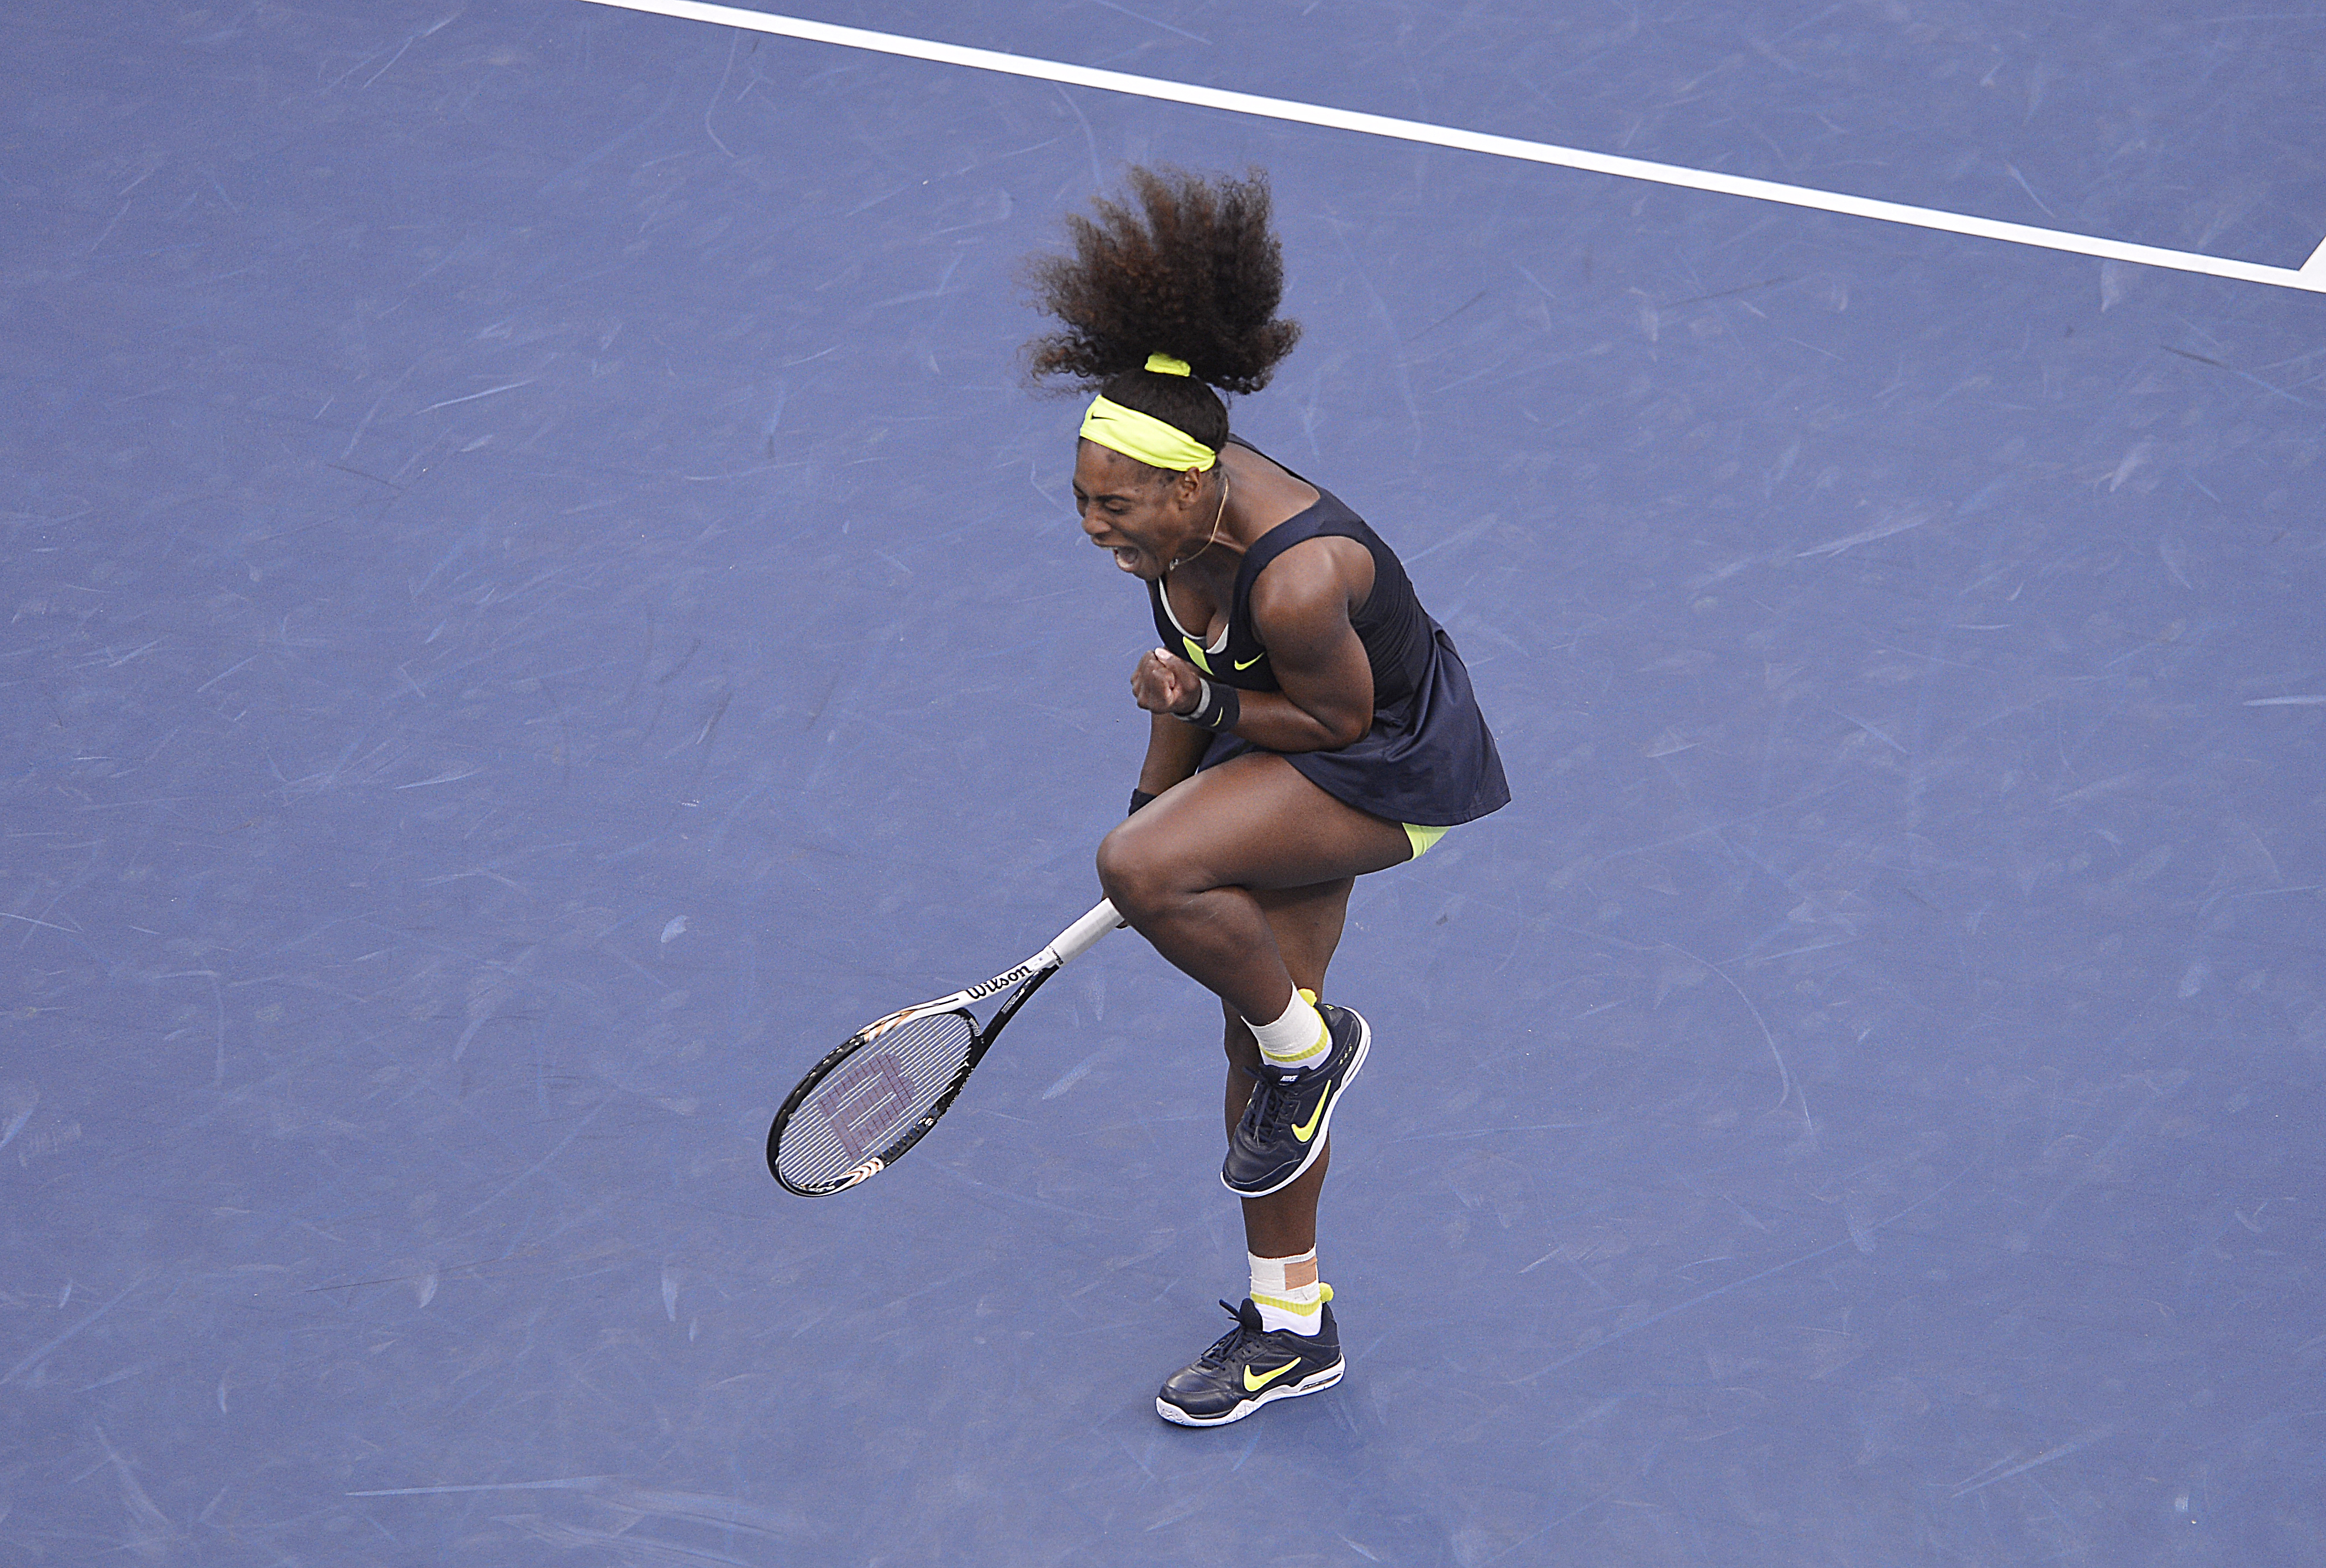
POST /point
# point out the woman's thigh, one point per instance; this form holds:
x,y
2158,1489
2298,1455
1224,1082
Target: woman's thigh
x,y
1255,822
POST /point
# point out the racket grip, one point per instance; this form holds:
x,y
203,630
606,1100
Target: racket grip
x,y
1083,935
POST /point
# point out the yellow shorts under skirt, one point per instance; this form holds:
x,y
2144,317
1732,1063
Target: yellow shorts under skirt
x,y
1422,837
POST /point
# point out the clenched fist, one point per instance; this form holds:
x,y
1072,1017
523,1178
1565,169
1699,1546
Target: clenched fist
x,y
1164,683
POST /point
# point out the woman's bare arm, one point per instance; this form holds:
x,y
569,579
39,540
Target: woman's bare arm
x,y
1301,609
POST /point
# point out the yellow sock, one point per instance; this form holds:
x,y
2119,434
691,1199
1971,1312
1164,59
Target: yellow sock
x,y
1296,1040
1283,1305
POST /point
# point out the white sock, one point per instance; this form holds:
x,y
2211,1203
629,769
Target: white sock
x,y
1283,1305
1296,1040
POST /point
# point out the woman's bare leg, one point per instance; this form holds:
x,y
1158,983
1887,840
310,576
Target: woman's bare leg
x,y
1307,924
1188,872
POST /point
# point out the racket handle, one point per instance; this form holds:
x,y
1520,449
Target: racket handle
x,y
1083,935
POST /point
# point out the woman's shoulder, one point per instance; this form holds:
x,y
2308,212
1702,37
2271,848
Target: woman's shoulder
x,y
1307,561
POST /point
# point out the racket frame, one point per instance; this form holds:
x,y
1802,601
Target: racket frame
x,y
1027,978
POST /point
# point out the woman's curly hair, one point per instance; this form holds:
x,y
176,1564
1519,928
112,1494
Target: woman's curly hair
x,y
1186,267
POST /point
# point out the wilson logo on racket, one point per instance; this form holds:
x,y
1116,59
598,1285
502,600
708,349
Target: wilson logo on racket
x,y
865,1102
998,983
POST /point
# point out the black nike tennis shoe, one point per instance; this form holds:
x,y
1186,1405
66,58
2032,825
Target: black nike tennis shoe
x,y
1251,1366
1283,1128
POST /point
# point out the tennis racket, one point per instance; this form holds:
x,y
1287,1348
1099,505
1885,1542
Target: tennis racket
x,y
859,1109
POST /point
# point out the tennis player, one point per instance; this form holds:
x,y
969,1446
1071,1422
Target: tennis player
x,y
1311,722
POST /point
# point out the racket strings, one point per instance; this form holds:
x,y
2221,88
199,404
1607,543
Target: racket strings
x,y
874,1097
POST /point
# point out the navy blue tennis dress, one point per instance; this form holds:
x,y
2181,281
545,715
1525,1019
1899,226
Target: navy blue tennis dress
x,y
1429,760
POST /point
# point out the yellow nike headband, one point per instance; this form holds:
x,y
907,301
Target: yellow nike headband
x,y
1152,441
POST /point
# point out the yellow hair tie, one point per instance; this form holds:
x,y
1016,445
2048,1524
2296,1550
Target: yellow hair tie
x,y
1142,436
1164,364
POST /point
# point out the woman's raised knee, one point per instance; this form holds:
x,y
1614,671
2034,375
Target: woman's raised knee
x,y
1134,870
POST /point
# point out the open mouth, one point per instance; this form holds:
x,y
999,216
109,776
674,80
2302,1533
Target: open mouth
x,y
1125,557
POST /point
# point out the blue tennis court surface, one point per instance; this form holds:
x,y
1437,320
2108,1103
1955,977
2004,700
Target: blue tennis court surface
x,y
535,603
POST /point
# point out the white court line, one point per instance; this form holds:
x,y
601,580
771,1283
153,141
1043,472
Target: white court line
x,y
2311,275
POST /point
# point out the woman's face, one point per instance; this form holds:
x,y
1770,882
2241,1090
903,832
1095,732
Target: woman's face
x,y
1145,517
